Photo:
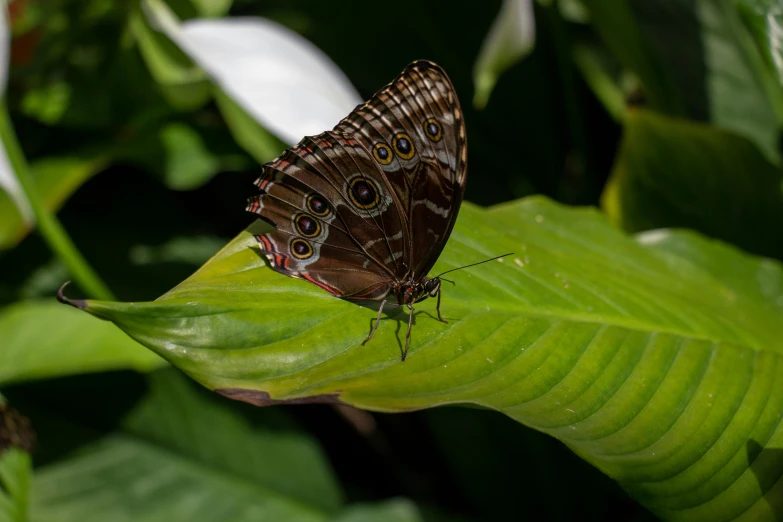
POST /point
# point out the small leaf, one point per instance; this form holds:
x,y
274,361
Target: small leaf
x,y
15,471
55,178
765,19
69,343
657,371
397,510
249,134
189,164
183,83
511,37
676,173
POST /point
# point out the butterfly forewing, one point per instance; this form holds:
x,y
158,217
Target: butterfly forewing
x,y
370,205
429,176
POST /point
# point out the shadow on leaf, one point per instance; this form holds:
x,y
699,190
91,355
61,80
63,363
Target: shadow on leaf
x,y
766,465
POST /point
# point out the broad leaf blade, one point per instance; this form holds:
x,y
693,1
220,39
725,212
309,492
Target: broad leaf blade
x,y
648,366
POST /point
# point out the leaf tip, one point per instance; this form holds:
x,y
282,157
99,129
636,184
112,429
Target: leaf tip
x,y
81,304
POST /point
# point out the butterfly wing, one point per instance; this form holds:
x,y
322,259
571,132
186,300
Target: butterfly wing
x,y
337,224
372,202
415,131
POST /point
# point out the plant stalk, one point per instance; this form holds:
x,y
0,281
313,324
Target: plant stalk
x,y
48,224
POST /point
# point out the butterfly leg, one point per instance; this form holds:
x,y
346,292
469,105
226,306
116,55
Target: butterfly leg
x,y
377,322
408,335
440,317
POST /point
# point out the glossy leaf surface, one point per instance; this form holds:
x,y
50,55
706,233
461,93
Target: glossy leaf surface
x,y
658,360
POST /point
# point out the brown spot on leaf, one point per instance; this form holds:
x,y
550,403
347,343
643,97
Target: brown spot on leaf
x,y
262,398
81,304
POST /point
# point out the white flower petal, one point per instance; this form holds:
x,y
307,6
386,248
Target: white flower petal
x,y
8,181
278,77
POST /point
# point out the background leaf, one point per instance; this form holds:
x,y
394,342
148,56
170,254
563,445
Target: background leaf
x,y
14,484
170,463
696,59
624,355
675,173
511,37
56,178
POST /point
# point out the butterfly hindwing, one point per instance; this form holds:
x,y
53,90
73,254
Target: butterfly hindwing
x,y
336,222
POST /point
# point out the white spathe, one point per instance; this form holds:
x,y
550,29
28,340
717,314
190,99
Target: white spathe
x,y
281,79
8,181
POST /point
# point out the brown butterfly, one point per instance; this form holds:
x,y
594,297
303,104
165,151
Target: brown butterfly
x,y
364,210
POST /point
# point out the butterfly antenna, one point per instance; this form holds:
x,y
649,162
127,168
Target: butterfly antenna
x,y
474,264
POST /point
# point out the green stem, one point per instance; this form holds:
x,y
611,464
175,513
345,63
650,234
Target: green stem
x,y
48,225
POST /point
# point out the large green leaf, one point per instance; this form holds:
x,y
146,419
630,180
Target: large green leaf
x,y
657,370
696,59
675,173
185,454
35,335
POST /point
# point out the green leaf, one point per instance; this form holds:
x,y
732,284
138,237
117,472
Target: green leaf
x,y
647,365
184,85
170,462
397,510
696,59
14,485
249,134
56,178
42,339
675,173
765,20
604,83
510,38
617,25
189,164
212,8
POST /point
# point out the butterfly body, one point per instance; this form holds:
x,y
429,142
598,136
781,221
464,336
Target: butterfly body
x,y
364,210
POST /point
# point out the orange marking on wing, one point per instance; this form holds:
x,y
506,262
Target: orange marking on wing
x,y
319,283
265,241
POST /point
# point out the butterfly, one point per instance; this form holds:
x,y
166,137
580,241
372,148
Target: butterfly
x,y
364,210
